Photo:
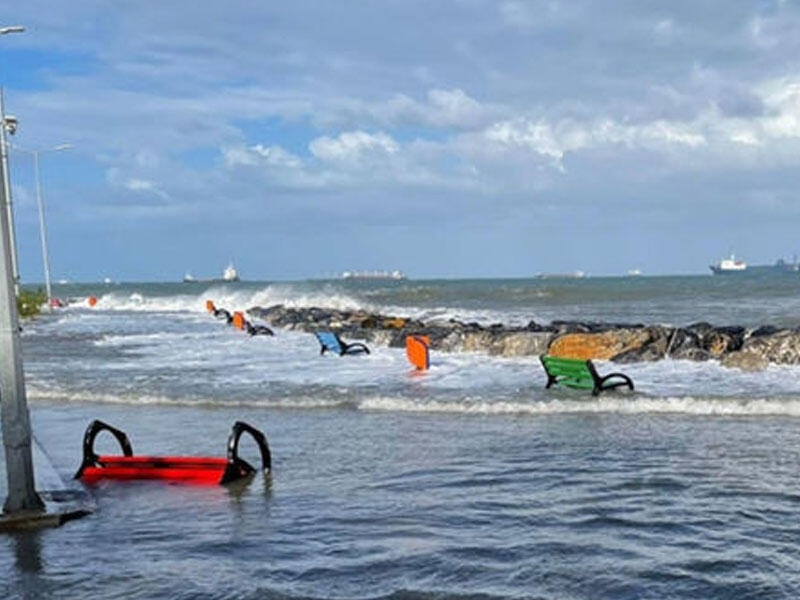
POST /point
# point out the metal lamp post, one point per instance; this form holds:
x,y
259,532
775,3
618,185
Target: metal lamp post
x,y
40,203
8,124
22,496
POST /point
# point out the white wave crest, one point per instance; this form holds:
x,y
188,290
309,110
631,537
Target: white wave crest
x,y
224,297
686,405
664,405
88,397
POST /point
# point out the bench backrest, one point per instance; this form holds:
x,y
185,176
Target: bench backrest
x,y
572,372
418,351
330,341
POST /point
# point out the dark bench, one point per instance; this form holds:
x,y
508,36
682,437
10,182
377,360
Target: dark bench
x,y
331,341
581,374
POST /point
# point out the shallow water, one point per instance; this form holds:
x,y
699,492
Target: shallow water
x,y
468,481
364,504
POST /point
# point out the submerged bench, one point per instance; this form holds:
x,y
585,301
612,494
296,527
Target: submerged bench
x,y
175,469
331,341
418,351
581,374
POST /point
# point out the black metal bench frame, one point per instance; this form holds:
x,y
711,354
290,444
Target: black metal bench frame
x,y
236,467
346,348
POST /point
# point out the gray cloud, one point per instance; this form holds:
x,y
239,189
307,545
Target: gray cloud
x,y
468,107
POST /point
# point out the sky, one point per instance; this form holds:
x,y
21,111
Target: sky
x,y
456,138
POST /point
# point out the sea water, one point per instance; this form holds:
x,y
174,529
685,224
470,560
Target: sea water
x,y
468,481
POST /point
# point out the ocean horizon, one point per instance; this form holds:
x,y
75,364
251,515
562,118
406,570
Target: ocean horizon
x,y
753,269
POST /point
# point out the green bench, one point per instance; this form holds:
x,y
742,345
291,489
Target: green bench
x,y
581,374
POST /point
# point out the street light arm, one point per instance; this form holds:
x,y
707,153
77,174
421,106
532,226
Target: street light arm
x,y
41,150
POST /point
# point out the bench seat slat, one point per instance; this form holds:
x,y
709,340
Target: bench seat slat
x,y
570,372
584,384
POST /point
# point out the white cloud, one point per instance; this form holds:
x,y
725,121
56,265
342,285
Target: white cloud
x,y
665,30
782,99
259,154
140,185
239,156
665,132
146,159
451,108
553,140
664,27
745,137
444,109
276,156
441,109
353,147
710,129
533,135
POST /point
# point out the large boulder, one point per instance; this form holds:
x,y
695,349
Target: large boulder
x,y
620,342
520,343
654,344
685,343
722,340
476,341
745,360
380,338
601,346
782,347
453,341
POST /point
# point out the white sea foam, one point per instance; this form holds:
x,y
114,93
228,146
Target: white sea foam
x,y
329,296
622,405
40,394
292,296
442,314
231,298
138,349
687,405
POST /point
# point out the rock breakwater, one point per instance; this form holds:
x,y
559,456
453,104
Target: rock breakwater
x,y
734,346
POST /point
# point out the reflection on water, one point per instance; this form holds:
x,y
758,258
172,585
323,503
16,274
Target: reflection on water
x,y
28,579
28,552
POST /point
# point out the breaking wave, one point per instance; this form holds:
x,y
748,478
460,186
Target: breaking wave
x,y
687,405
223,296
684,405
38,394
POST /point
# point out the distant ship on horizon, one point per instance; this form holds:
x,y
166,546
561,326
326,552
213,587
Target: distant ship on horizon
x,y
784,265
396,275
731,265
728,265
573,275
229,275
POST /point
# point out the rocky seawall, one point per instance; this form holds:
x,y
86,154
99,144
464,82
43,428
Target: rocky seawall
x,y
734,346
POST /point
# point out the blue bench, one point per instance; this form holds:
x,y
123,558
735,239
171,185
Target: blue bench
x,y
331,341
